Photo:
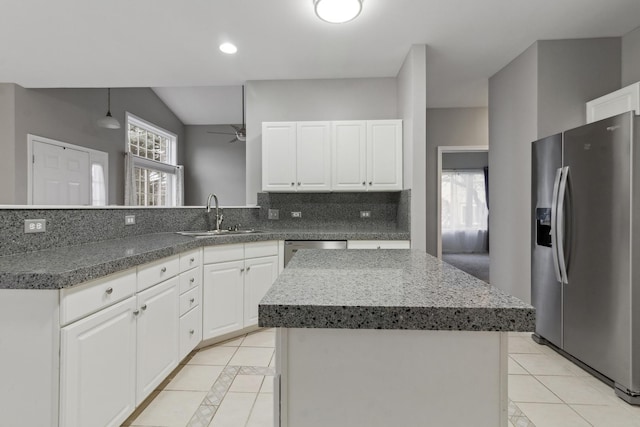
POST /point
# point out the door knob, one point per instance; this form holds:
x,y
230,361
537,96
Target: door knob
x,y
109,291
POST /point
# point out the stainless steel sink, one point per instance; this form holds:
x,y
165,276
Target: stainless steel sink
x,y
211,233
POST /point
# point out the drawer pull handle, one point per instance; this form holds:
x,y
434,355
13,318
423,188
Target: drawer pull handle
x,y
136,312
248,268
370,182
192,300
192,259
144,306
242,270
193,279
163,270
378,247
191,332
109,291
364,183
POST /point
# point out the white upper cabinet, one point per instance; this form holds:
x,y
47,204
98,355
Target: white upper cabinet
x,y
349,163
313,156
279,156
384,155
614,103
362,155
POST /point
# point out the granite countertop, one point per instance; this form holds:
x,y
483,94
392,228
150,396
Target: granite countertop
x,y
67,266
387,289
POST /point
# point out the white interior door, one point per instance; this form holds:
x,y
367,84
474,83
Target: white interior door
x,y
60,175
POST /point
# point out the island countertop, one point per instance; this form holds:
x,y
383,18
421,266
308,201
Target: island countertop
x,y
387,289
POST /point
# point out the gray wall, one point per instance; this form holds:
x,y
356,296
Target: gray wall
x,y
571,73
412,107
513,118
294,100
472,160
70,115
448,127
631,57
7,138
214,166
541,92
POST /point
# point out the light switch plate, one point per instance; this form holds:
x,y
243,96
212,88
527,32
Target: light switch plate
x,y
296,214
129,219
35,225
365,214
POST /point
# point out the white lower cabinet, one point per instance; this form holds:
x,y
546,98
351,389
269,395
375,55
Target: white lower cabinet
x,y
260,273
222,294
233,289
378,244
158,339
97,369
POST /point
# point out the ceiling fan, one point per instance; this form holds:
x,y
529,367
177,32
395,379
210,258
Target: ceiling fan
x,y
239,132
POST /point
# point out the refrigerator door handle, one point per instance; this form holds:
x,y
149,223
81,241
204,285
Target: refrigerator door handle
x,y
560,223
554,218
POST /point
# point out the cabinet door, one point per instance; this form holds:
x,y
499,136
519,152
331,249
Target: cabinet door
x,y
97,368
384,155
313,154
222,293
260,275
158,338
349,156
279,156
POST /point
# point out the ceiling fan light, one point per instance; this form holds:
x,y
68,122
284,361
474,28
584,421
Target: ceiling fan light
x,y
241,136
337,11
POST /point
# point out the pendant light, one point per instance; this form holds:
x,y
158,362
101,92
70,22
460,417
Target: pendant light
x,y
108,121
337,11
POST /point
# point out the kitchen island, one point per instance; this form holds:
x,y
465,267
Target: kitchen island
x,y
388,338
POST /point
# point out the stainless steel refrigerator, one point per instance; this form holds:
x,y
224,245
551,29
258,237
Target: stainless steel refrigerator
x,y
585,271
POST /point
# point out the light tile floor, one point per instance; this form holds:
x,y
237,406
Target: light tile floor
x,y
231,385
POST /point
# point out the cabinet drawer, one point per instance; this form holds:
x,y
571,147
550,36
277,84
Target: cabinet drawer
x,y
260,249
79,301
378,244
190,299
190,259
157,271
190,279
190,331
224,253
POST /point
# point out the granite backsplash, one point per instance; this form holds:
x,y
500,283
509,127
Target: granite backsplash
x,y
320,211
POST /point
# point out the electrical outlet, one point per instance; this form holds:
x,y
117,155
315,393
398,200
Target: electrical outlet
x,y
274,214
296,214
35,225
129,219
365,214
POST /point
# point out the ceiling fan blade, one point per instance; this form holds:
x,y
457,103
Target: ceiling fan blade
x,y
221,133
234,140
236,128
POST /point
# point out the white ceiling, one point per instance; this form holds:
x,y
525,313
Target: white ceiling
x,y
172,43
204,105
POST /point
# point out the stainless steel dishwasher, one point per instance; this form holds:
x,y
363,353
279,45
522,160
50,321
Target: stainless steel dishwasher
x,y
292,246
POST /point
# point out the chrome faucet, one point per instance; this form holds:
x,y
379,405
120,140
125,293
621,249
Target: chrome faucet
x,y
219,216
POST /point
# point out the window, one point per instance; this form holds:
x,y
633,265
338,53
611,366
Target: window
x,y
464,212
155,172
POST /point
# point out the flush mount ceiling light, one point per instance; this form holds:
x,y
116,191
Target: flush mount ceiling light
x,y
228,48
337,11
108,121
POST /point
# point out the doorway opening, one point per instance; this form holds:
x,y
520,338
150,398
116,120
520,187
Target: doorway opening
x,y
463,208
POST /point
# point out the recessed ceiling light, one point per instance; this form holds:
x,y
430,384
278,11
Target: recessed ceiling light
x,y
229,48
337,11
